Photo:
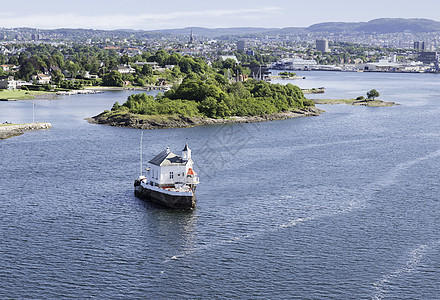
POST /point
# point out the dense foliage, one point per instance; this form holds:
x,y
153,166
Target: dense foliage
x,y
372,94
287,74
216,98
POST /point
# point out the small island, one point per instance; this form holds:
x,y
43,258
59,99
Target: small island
x,y
364,102
203,100
370,101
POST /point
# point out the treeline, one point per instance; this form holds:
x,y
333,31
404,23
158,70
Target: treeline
x,y
74,62
146,75
216,98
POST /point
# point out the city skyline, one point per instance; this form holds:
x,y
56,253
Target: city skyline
x,y
136,14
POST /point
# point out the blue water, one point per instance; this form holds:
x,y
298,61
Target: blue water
x,y
341,206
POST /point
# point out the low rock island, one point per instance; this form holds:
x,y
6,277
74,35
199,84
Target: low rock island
x,y
364,102
10,130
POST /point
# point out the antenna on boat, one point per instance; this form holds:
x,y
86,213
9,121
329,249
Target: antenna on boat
x,y
142,135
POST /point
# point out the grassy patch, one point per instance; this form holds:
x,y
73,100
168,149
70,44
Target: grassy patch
x,y
334,101
20,94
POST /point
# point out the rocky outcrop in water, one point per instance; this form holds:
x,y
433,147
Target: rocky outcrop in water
x,y
7,131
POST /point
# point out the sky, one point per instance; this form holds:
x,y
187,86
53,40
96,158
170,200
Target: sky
x,y
171,14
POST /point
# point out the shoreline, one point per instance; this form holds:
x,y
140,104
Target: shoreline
x,y
7,131
167,121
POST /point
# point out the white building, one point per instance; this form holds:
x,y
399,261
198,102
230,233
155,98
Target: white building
x,y
384,65
87,74
5,68
125,69
168,169
233,57
296,63
9,83
42,78
153,65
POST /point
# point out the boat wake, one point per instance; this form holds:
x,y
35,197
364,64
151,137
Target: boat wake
x,y
414,259
417,254
391,177
295,222
363,199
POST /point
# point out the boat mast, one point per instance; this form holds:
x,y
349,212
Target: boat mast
x,y
142,135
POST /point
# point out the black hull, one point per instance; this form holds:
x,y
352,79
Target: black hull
x,y
165,200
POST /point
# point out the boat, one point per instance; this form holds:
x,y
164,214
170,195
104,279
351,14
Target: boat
x,y
170,180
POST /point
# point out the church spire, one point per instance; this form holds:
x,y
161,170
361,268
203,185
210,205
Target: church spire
x,y
191,37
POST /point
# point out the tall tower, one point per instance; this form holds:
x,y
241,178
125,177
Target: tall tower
x,y
241,45
322,45
419,45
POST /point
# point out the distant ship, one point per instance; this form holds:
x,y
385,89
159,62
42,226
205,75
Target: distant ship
x,y
170,180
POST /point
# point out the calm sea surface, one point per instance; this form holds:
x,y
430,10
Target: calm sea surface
x,y
341,206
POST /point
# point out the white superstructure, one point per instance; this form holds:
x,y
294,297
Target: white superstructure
x,y
170,170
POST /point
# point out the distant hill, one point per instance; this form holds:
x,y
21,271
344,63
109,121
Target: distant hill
x,y
385,25
400,25
377,26
336,27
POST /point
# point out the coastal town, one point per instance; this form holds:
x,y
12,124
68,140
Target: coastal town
x,y
62,60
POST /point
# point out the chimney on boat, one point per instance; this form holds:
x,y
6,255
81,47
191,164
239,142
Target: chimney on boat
x,y
186,152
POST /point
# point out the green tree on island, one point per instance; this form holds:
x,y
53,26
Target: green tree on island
x,y
372,94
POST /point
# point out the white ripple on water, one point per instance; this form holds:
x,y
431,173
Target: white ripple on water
x,y
236,239
414,259
391,177
334,143
352,205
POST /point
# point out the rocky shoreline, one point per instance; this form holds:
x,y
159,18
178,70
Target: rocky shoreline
x,y
161,122
7,131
